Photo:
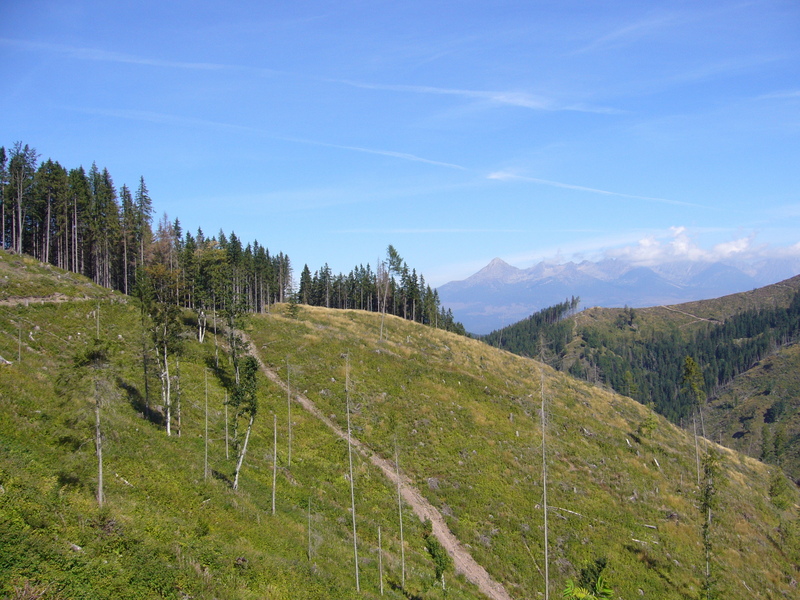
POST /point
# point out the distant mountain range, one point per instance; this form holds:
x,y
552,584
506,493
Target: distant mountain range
x,y
500,294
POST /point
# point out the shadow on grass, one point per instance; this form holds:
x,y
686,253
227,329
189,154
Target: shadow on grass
x,y
222,477
398,588
653,563
221,374
137,402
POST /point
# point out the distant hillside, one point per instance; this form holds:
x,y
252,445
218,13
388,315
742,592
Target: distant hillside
x,y
758,413
459,421
640,352
500,294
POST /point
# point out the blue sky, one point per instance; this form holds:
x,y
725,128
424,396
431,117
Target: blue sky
x,y
456,131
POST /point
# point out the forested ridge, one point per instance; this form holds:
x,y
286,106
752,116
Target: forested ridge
x,y
646,362
82,222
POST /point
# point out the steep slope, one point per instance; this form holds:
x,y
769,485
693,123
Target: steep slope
x,y
462,419
758,413
166,530
466,423
640,353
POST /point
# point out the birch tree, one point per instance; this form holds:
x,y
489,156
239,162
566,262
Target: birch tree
x,y
86,377
245,401
165,328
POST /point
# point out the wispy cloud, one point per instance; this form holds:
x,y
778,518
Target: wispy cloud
x,y
99,55
390,153
506,176
153,117
787,94
507,98
630,32
415,231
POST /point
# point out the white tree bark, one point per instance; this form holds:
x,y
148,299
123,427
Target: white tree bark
x,y
98,441
243,452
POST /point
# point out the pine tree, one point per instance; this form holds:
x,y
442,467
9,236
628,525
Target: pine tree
x,y
3,186
78,203
21,169
50,193
305,285
143,221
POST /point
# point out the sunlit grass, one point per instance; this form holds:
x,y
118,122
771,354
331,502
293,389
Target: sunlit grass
x,y
465,422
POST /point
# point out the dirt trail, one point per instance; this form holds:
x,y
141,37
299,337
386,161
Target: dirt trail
x,y
463,561
688,314
51,299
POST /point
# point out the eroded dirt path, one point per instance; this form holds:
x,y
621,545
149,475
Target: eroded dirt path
x,y
673,309
51,299
462,559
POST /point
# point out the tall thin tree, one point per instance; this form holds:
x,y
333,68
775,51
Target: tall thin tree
x,y
544,489
205,459
246,402
350,460
289,410
400,517
274,458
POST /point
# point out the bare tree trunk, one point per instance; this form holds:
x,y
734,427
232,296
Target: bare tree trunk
x,y
274,458
47,232
350,459
166,385
544,487
98,441
205,460
244,451
400,515
380,559
696,447
201,326
19,220
178,395
216,346
289,408
125,261
309,528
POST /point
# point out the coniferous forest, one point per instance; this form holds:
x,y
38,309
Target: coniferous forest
x,y
82,222
647,363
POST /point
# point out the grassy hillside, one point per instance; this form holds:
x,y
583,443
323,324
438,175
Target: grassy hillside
x,y
165,531
759,412
463,418
467,426
640,353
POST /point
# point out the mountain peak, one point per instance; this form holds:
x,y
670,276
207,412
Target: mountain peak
x,y
497,271
497,263
500,294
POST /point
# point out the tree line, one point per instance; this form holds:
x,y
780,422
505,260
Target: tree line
x,y
545,331
406,296
82,222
